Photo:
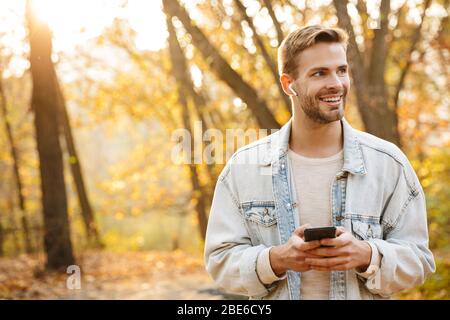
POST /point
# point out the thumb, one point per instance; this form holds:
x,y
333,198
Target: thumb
x,y
339,231
300,230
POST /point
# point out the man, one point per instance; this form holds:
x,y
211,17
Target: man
x,y
318,171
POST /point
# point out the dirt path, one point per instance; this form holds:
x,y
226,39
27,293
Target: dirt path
x,y
191,286
107,275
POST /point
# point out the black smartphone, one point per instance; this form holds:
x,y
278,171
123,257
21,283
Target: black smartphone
x,y
319,233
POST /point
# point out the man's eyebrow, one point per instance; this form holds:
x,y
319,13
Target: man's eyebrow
x,y
325,68
317,69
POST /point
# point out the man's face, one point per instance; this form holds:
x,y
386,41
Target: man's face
x,y
322,82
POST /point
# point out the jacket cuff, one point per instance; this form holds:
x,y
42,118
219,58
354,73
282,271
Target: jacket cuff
x,y
248,274
264,268
375,263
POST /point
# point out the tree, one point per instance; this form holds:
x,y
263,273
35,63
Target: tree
x,y
45,104
179,70
377,109
1,239
17,178
76,169
222,69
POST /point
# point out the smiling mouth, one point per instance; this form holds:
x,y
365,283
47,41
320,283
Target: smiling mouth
x,y
332,101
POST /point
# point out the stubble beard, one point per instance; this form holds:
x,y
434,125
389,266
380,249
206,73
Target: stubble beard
x,y
311,108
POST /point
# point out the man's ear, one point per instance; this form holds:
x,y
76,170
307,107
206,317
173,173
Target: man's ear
x,y
286,80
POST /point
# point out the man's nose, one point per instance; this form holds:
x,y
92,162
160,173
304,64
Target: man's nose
x,y
334,82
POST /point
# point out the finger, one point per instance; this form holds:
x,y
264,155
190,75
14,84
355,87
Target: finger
x,y
342,240
326,262
305,246
300,230
328,252
316,268
308,254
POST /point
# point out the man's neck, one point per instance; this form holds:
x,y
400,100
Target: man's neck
x,y
315,140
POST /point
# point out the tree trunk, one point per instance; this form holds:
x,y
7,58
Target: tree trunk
x,y
378,116
2,239
45,103
15,158
77,172
385,124
199,104
13,225
179,70
222,69
38,235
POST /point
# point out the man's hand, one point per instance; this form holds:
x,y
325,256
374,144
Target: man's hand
x,y
291,255
345,253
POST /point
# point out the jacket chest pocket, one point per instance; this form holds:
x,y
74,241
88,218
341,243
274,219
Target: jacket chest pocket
x,y
363,230
261,219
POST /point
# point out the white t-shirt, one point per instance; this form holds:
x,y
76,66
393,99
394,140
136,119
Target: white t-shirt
x,y
313,178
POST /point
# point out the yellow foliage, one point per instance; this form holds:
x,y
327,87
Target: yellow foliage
x,y
119,215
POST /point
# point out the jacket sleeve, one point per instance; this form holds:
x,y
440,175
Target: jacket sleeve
x,y
230,257
405,257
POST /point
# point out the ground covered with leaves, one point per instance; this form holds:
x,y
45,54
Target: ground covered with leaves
x,y
145,275
111,275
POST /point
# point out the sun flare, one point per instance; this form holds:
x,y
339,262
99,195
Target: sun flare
x,y
74,21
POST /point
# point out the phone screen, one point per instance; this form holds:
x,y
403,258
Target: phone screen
x,y
319,233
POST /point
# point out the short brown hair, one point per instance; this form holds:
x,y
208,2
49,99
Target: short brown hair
x,y
303,38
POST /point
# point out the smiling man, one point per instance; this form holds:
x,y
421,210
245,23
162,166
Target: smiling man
x,y
318,171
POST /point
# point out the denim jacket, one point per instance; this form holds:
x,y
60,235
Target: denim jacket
x,y
376,196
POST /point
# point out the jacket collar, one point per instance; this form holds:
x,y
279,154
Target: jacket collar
x,y
353,156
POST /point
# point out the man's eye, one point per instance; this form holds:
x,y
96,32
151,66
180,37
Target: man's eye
x,y
342,72
318,74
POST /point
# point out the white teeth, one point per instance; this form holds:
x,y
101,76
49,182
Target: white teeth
x,y
331,99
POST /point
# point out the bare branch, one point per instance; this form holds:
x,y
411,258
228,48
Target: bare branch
x,y
269,61
415,39
275,21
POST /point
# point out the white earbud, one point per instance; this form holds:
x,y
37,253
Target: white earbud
x,y
292,90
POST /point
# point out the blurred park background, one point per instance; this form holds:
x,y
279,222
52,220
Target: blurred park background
x,y
91,92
